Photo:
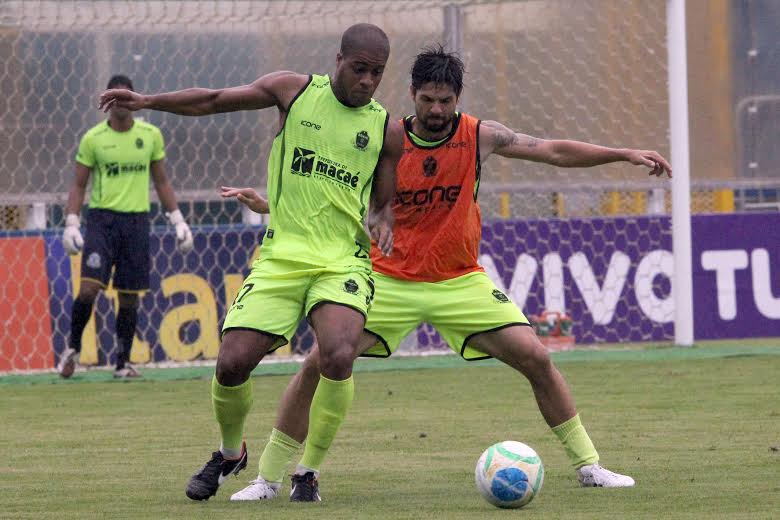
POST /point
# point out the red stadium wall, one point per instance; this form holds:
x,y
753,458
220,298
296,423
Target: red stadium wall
x,y
25,320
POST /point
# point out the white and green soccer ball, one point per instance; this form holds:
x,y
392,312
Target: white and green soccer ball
x,y
509,474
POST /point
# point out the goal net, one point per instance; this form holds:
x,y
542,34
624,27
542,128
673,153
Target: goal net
x,y
593,243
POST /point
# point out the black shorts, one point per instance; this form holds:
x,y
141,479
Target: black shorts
x,y
120,241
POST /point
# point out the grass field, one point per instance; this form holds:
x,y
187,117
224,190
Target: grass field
x,y
697,428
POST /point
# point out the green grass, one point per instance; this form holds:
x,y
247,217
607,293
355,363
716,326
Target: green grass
x,y
695,428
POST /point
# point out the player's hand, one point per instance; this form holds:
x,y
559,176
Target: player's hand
x,y
71,237
122,98
653,160
248,197
184,239
381,229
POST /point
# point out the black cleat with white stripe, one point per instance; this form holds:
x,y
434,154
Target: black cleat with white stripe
x,y
205,483
305,488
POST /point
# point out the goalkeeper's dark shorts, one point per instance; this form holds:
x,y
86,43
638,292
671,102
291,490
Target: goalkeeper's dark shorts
x,y
459,309
119,242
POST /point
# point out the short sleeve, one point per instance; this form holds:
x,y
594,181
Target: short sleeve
x,y
158,149
86,154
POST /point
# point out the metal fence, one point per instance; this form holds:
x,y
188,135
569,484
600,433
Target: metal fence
x,y
592,70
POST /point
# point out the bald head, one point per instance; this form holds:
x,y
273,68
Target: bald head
x,y
364,37
360,64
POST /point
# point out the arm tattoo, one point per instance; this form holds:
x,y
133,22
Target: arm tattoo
x,y
507,141
504,138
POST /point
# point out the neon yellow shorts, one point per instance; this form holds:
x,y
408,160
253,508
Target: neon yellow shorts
x,y
459,309
278,293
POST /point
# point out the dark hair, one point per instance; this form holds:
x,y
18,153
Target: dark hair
x,y
434,65
120,80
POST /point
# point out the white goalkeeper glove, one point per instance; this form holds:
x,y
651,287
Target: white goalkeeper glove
x,y
71,237
183,233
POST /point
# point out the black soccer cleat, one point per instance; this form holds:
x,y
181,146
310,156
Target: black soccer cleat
x,y
205,483
305,488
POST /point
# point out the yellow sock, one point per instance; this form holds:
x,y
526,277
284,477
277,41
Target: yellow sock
x,y
328,409
231,406
277,456
577,443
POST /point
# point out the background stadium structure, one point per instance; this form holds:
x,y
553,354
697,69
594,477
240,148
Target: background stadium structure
x,y
592,70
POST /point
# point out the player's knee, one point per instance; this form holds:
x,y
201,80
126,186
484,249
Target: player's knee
x,y
88,293
540,359
537,364
239,354
535,359
128,300
88,299
337,364
231,369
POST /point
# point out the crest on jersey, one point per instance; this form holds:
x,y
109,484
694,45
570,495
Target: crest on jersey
x,y
139,143
93,260
351,286
430,166
361,140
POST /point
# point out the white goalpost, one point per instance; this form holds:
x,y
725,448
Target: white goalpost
x,y
681,183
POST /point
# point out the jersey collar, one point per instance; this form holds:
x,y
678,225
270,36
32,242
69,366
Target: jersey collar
x,y
419,142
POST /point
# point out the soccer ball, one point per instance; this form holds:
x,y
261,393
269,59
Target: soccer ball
x,y
509,474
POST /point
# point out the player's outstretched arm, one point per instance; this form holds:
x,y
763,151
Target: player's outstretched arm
x,y
248,197
497,138
380,217
274,89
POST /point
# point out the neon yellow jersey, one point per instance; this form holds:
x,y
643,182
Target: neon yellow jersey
x,y
320,174
120,165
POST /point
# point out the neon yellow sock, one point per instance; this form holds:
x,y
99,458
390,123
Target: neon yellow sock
x,y
575,440
277,456
231,406
328,409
